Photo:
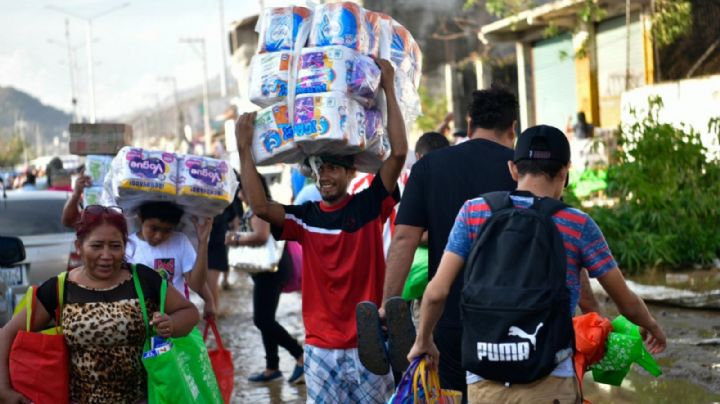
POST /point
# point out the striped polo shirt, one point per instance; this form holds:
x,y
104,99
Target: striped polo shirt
x,y
585,247
585,244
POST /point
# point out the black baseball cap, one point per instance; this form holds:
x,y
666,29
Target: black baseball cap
x,y
542,142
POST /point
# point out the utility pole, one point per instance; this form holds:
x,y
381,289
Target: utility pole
x,y
88,40
178,114
202,53
72,65
223,50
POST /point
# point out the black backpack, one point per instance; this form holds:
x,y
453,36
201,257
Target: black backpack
x,y
517,324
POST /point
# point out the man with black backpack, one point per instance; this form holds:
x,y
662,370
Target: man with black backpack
x,y
522,253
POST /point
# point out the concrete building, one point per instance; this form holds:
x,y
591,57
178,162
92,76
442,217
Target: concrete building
x,y
588,66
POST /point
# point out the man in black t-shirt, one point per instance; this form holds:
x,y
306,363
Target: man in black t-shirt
x,y
439,184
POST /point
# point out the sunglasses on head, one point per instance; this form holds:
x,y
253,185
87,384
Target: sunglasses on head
x,y
99,210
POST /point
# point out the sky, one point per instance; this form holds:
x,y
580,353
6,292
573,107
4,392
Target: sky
x,y
133,46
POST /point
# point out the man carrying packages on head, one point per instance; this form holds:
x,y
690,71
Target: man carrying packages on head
x,y
343,261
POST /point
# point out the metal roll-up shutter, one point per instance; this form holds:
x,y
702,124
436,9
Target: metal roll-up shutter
x,y
611,42
555,91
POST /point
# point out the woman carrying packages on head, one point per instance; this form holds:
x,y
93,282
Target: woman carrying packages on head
x,y
101,316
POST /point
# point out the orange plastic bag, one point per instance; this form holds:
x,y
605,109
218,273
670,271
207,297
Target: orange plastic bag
x,y
222,363
39,361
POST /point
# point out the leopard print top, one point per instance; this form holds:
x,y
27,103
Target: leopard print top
x,y
105,332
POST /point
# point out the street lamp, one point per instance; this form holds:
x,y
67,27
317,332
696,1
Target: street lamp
x,y
88,41
202,53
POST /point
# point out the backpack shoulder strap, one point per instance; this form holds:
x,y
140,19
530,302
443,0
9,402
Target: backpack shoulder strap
x,y
498,200
548,206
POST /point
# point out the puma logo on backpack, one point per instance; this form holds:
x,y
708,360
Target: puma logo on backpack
x,y
517,323
515,331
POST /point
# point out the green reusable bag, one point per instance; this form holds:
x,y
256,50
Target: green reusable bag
x,y
184,373
418,277
624,347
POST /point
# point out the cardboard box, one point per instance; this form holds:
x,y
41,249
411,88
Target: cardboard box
x,y
99,138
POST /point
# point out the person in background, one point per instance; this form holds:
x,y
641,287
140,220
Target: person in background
x,y
308,193
581,129
540,165
266,296
427,143
159,246
101,317
438,186
297,181
460,136
53,168
71,211
217,248
29,182
443,127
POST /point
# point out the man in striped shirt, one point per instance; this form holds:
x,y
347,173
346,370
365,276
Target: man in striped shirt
x,y
540,166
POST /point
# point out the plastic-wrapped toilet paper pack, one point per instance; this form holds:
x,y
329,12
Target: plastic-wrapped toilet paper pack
x,y
273,140
328,122
97,167
370,159
337,68
269,76
283,28
93,196
408,98
138,171
373,126
339,24
372,32
206,185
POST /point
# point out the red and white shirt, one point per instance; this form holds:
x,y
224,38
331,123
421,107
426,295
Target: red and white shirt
x,y
343,260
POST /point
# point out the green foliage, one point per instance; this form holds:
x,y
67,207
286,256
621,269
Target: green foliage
x,y
434,111
667,187
11,150
591,11
672,19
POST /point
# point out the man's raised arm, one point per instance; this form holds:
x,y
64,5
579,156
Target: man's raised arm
x,y
269,211
392,167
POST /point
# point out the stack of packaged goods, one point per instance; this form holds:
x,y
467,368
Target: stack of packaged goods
x,y
202,186
283,31
98,142
96,167
333,98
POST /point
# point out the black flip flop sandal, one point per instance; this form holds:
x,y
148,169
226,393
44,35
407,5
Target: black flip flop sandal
x,y
371,346
401,332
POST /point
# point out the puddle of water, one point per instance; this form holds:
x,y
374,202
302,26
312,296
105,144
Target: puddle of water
x,y
244,341
639,388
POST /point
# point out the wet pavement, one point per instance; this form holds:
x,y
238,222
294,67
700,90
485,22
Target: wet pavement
x,y
691,363
242,338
